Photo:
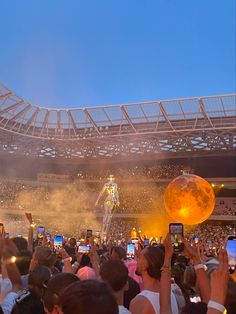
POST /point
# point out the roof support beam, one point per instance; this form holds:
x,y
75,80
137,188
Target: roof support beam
x,y
165,116
128,118
20,113
85,110
12,107
45,122
72,121
58,128
204,112
5,95
32,119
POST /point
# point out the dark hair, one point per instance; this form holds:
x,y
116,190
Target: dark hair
x,y
120,251
230,302
72,242
27,303
23,261
88,297
20,243
39,278
45,256
85,261
195,308
56,285
115,273
155,259
131,293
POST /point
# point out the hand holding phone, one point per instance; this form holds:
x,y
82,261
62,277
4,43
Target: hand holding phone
x,y
58,242
89,233
41,231
231,250
85,249
130,250
177,233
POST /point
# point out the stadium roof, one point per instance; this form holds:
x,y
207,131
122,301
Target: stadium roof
x,y
189,124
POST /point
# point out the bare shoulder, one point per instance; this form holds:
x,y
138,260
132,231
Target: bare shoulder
x,y
140,305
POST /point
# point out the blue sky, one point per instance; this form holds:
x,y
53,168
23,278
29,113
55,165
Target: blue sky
x,y
82,53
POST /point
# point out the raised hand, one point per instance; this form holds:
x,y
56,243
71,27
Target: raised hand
x,y
29,218
219,279
168,246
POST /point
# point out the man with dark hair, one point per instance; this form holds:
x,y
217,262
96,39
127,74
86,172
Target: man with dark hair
x,y
56,285
115,274
88,297
43,256
20,243
118,253
149,266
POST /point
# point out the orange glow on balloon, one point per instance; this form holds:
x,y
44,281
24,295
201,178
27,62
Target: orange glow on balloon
x,y
189,199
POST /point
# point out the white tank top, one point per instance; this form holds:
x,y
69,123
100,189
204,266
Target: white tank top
x,y
154,299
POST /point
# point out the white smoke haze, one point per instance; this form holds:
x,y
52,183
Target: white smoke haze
x,y
65,210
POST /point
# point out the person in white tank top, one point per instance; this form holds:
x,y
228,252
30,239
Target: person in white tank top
x,y
149,266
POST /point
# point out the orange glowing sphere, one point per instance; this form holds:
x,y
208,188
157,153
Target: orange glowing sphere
x,y
189,199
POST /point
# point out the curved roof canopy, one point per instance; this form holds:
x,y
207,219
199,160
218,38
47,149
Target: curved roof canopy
x,y
167,116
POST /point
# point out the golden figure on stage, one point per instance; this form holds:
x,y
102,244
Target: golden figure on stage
x,y
110,193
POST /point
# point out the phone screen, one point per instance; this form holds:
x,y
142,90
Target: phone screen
x,y
231,250
41,230
176,230
58,241
89,233
146,242
84,249
130,250
135,241
48,236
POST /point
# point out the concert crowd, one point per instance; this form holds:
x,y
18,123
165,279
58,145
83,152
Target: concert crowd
x,y
87,274
124,272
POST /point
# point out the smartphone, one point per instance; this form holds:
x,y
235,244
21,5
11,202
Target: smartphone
x,y
48,236
89,233
135,241
41,230
231,250
58,242
1,228
177,231
196,240
146,242
98,233
84,249
7,235
130,250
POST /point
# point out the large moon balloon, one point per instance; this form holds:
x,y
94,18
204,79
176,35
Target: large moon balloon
x,y
189,199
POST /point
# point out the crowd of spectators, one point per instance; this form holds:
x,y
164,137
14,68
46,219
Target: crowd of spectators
x,y
137,197
40,277
156,171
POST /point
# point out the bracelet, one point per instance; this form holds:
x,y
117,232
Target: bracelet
x,y
199,266
166,268
167,271
67,259
216,306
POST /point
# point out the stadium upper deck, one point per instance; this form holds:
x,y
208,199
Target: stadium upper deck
x,y
181,127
